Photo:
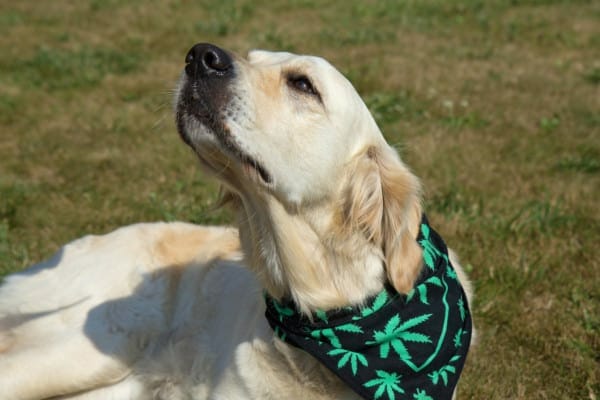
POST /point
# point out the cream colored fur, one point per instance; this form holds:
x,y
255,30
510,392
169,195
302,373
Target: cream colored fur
x,y
171,311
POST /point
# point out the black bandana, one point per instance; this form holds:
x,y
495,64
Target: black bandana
x,y
397,346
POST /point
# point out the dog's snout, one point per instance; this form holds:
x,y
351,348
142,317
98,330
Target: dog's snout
x,y
205,59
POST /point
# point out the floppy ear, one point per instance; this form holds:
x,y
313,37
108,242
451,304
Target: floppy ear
x,y
384,201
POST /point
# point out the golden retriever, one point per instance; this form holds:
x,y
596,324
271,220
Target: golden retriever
x,y
328,217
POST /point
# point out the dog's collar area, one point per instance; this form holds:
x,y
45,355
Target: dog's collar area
x,y
396,346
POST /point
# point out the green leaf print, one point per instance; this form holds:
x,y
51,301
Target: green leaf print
x,y
349,356
443,372
322,315
458,338
422,290
352,328
395,334
425,231
380,301
450,273
327,335
430,252
387,383
434,280
421,395
428,257
282,311
461,308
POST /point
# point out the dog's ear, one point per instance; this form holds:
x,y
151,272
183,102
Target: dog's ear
x,y
384,201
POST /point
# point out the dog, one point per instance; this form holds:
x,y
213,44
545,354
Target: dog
x,y
330,226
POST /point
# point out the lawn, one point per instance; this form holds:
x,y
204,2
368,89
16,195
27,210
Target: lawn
x,y
495,104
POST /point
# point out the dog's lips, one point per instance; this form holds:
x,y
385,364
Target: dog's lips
x,y
226,144
249,164
254,169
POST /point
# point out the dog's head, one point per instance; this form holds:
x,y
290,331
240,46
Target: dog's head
x,y
278,128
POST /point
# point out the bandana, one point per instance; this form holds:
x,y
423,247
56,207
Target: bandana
x,y
397,346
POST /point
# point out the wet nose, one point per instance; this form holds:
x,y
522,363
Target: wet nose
x,y
205,59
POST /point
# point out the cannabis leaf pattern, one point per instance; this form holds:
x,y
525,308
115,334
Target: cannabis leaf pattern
x,y
421,395
461,308
395,334
351,356
430,251
443,372
322,315
282,311
387,382
458,338
351,328
451,273
328,335
378,350
380,301
422,290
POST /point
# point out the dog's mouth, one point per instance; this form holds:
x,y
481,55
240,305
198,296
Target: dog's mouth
x,y
252,167
211,127
203,100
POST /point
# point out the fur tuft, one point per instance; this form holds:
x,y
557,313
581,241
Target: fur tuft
x,y
384,202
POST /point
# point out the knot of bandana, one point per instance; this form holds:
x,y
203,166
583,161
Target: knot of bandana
x,y
396,346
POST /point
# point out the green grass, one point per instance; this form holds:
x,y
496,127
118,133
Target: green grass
x,y
493,103
54,69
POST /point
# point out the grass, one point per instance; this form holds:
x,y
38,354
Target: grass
x,y
493,103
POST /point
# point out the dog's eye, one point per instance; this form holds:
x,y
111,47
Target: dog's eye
x,y
302,84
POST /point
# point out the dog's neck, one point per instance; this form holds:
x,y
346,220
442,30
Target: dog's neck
x,y
300,255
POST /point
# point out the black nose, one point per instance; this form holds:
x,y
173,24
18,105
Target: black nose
x,y
206,59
